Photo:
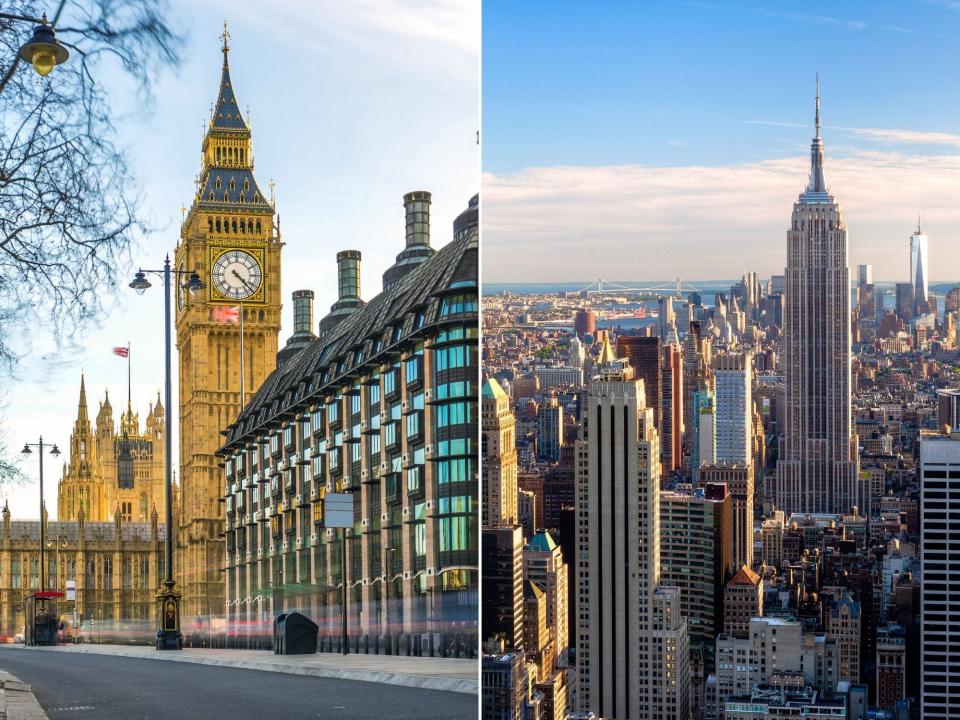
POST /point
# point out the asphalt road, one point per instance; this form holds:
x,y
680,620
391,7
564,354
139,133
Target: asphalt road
x,y
102,687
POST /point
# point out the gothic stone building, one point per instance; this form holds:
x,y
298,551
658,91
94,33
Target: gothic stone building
x,y
113,468
117,567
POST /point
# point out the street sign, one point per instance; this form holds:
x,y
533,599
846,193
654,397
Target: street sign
x,y
338,510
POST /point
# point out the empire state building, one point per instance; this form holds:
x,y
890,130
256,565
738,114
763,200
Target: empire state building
x,y
818,463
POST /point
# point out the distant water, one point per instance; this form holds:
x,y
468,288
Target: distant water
x,y
705,287
661,286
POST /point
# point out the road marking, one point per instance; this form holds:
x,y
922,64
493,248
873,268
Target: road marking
x,y
72,708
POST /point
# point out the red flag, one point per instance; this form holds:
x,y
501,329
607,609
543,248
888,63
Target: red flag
x,y
121,351
224,314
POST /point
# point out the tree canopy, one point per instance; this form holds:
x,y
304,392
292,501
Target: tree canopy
x,y
69,203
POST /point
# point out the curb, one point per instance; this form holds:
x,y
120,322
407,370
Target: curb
x,y
17,701
423,682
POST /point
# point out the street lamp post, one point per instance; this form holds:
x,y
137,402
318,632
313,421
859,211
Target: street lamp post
x,y
43,50
53,450
387,582
169,636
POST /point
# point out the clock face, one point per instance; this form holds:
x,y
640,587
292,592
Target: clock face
x,y
237,275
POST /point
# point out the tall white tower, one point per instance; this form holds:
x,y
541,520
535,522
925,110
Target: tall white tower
x,y
818,461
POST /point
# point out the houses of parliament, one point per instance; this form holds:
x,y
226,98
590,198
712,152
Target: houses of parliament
x,y
108,538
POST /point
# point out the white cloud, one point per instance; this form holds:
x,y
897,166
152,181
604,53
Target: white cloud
x,y
907,137
431,34
635,222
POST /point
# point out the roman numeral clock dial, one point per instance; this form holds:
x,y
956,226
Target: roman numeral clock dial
x,y
237,275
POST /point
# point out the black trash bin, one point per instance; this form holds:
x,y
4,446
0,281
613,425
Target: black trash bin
x,y
294,634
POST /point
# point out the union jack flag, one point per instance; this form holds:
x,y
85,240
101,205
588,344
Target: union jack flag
x,y
225,314
121,351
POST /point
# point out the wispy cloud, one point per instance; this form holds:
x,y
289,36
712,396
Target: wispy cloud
x,y
776,123
889,136
565,223
831,21
907,137
440,35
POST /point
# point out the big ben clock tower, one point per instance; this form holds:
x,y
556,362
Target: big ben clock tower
x,y
230,238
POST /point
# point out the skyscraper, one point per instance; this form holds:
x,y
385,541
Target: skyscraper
x,y
696,555
502,575
919,270
549,429
625,629
671,401
864,275
817,466
940,566
499,467
543,563
702,433
734,404
643,354
667,318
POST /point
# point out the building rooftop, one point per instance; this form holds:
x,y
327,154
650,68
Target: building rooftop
x,y
542,542
369,336
745,576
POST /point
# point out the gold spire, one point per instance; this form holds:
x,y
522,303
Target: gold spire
x,y
226,40
607,356
82,405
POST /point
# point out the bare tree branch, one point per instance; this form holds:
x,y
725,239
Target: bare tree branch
x,y
69,205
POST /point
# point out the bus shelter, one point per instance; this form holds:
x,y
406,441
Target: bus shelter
x,y
42,624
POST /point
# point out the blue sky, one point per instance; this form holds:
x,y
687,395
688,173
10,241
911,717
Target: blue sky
x,y
618,87
352,105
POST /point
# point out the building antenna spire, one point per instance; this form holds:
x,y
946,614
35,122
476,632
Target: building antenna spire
x,y
817,116
918,222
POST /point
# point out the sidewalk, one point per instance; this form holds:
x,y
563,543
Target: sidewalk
x,y
17,701
450,675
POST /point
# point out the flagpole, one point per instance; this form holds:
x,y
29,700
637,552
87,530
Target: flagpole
x,y
128,376
242,399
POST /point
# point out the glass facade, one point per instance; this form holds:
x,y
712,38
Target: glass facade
x,y
393,422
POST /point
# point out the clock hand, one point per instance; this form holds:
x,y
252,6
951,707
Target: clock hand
x,y
241,279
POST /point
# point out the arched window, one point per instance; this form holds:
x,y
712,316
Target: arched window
x,y
211,194
210,224
218,153
243,223
218,223
261,316
218,182
225,197
233,184
234,224
258,227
